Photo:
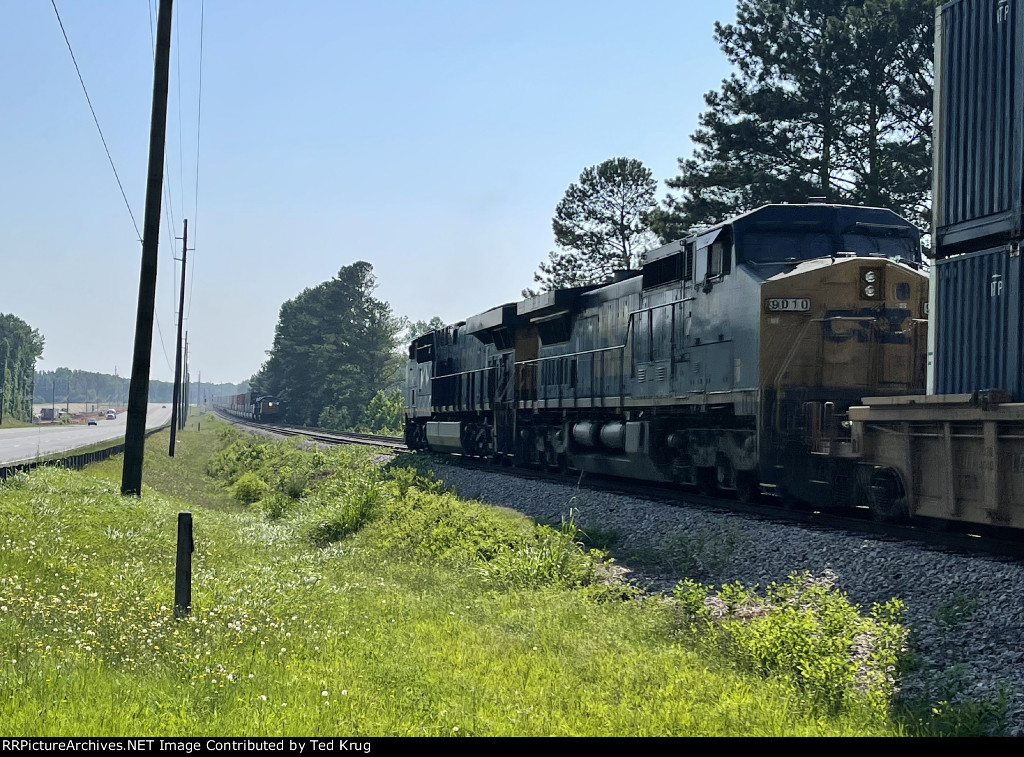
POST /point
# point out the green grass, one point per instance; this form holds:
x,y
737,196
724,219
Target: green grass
x,y
421,615
9,422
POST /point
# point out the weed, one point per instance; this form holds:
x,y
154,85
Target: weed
x,y
806,632
699,552
945,706
955,609
595,537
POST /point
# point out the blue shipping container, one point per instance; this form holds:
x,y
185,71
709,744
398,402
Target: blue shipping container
x,y
979,124
979,322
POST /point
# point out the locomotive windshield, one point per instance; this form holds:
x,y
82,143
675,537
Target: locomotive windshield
x,y
792,246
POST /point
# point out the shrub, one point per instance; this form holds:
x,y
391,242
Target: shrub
x,y
807,632
341,508
551,556
249,488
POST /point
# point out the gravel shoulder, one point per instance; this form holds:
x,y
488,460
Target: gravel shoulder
x,y
965,613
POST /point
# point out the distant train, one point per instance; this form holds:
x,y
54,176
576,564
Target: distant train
x,y
250,406
729,361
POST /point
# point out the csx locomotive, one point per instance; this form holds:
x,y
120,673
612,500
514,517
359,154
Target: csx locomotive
x,y
728,361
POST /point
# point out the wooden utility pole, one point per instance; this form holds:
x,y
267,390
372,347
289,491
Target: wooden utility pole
x,y
177,352
183,409
138,391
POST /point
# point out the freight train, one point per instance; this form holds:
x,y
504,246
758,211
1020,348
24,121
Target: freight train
x,y
251,406
727,362
725,367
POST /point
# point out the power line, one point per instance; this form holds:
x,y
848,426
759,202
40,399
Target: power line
x,y
199,125
162,347
96,120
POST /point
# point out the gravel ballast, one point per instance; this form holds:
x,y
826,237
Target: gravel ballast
x,y
964,612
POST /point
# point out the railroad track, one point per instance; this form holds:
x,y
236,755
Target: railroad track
x,y
945,535
320,435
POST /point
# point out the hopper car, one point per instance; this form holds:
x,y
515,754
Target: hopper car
x,y
729,361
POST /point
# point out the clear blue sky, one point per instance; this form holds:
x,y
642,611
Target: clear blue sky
x,y
432,139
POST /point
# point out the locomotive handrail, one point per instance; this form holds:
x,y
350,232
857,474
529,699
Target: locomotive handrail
x,y
463,373
572,354
662,305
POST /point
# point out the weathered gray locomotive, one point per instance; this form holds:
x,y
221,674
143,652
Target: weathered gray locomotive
x,y
728,361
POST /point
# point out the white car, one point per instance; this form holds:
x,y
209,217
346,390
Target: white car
x,y
111,414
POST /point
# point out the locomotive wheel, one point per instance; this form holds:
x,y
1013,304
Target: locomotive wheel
x,y
707,481
748,488
888,501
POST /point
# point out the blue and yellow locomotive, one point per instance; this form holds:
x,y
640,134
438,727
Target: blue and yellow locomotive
x,y
728,361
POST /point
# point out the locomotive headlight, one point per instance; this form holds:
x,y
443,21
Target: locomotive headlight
x,y
871,283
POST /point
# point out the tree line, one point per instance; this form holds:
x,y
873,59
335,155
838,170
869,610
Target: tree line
x,y
20,347
63,385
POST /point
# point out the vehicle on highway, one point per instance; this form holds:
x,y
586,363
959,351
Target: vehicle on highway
x,y
111,414
92,422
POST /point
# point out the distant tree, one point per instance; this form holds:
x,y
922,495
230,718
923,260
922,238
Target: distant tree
x,y
384,413
419,328
600,225
334,348
830,98
20,348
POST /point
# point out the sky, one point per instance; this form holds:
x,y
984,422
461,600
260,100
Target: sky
x,y
431,138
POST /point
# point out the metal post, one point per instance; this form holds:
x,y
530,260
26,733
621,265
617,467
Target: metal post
x,y
138,393
183,566
177,352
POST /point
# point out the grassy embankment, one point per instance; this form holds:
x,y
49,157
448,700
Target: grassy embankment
x,y
349,600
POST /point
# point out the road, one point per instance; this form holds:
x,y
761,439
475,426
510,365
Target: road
x,y
21,444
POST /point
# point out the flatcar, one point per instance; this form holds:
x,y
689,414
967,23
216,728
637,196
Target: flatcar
x,y
957,453
729,361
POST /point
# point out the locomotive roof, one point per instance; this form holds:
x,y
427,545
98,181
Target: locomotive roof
x,y
818,217
804,266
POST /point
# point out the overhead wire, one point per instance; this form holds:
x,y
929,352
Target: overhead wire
x,y
96,120
199,125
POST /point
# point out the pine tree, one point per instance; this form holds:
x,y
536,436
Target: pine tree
x,y
830,98
600,225
334,347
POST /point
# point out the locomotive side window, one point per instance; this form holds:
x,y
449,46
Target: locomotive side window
x,y
663,271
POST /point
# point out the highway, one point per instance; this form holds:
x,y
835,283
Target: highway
x,y
22,444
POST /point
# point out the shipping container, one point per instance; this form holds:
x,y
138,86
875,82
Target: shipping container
x,y
979,124
979,322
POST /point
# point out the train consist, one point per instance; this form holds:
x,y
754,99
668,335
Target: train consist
x,y
250,406
729,361
957,453
792,349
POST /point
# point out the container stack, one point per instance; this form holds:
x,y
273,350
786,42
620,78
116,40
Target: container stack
x,y
977,302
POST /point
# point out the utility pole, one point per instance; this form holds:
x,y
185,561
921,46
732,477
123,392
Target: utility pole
x,y
138,392
177,352
183,413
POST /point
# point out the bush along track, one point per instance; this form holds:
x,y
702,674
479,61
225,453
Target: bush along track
x,y
348,598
